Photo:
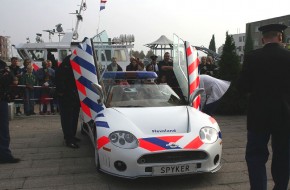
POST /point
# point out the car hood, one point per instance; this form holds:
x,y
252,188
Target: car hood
x,y
156,120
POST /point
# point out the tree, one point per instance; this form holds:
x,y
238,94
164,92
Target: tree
x,y
249,46
142,55
134,53
212,44
149,53
232,102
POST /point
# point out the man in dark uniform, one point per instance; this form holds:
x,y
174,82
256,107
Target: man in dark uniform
x,y
69,103
268,108
5,80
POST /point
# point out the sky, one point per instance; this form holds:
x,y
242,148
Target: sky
x,y
147,20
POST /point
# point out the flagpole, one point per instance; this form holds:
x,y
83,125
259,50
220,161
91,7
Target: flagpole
x,y
99,22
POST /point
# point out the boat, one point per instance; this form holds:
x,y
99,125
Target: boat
x,y
105,47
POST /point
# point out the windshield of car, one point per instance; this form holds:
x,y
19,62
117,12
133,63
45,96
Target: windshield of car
x,y
139,93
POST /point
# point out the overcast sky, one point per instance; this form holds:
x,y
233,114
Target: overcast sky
x,y
193,21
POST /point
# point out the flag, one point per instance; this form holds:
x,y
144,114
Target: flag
x,y
82,62
102,5
193,77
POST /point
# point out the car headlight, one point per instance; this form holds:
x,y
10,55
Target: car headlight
x,y
123,139
208,135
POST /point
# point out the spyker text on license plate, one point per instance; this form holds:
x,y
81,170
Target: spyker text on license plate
x,y
178,169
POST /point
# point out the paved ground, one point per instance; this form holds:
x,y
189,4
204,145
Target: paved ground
x,y
47,164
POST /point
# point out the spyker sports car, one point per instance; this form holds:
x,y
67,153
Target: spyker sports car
x,y
146,129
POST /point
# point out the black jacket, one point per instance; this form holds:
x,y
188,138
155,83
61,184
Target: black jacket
x,y
266,77
110,68
65,83
6,79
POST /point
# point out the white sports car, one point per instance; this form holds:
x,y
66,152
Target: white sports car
x,y
146,129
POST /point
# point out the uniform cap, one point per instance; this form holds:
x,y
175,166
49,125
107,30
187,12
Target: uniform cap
x,y
153,56
272,27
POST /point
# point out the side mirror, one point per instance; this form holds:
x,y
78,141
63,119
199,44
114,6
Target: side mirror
x,y
99,91
196,93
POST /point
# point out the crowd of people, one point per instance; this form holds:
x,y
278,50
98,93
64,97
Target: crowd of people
x,y
30,86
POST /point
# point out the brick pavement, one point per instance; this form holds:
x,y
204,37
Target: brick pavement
x,y
49,165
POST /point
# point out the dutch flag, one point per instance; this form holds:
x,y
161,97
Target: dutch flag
x,y
102,5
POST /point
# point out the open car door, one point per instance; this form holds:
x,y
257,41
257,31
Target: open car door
x,y
185,68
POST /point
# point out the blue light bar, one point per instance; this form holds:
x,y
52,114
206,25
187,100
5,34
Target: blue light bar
x,y
129,75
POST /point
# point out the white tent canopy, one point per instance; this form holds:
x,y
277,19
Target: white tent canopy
x,y
162,43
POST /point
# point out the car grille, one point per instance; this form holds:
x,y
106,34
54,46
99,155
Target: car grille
x,y
172,157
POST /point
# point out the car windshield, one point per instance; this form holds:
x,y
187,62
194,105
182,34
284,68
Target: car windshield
x,y
139,93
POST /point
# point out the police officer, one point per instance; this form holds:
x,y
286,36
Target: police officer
x,y
69,103
5,80
268,108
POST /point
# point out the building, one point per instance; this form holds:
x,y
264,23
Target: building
x,y
257,36
239,40
4,48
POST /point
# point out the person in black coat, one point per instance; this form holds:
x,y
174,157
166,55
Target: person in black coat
x,y
268,108
69,103
5,80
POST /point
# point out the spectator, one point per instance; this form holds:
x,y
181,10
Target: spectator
x,y
53,61
149,67
268,108
53,101
133,66
26,62
210,68
153,65
114,66
45,77
166,69
29,80
140,64
5,81
202,66
14,68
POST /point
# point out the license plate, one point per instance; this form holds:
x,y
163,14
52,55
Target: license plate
x,y
175,169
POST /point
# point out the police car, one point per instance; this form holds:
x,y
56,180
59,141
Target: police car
x,y
146,129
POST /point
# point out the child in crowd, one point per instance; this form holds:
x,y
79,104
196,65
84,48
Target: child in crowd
x,y
30,80
46,80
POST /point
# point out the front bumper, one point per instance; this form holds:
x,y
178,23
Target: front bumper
x,y
134,163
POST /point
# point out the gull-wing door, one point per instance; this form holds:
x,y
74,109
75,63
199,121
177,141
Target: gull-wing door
x,y
180,65
185,68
